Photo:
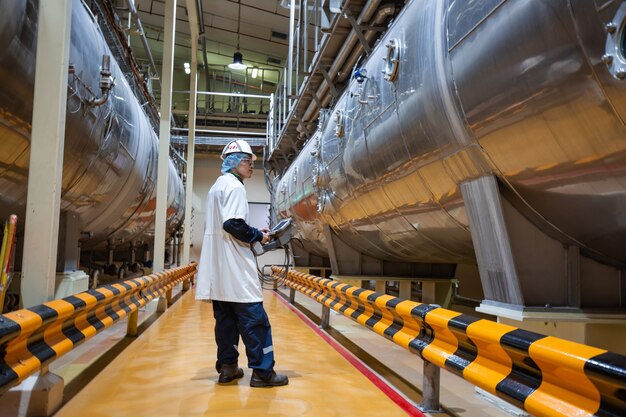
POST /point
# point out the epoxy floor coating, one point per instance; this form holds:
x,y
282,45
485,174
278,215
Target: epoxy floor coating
x,y
169,371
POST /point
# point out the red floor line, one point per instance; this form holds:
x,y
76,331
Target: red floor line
x,y
390,392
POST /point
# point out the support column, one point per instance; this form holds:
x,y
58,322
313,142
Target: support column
x,y
68,251
165,301
133,251
37,395
404,289
70,279
429,292
325,319
131,324
191,124
46,152
430,388
147,255
110,252
164,134
431,372
498,273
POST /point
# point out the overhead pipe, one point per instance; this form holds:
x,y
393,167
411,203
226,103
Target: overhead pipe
x,y
366,13
292,17
144,41
350,51
202,37
382,14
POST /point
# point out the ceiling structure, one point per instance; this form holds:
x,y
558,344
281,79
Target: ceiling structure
x,y
263,29
259,29
261,32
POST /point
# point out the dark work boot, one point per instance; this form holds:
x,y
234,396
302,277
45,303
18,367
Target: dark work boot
x,y
274,380
229,373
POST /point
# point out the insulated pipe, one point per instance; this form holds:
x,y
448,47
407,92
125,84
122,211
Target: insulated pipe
x,y
382,13
368,11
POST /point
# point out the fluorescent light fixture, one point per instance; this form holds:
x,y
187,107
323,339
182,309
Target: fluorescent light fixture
x,y
187,68
237,63
255,72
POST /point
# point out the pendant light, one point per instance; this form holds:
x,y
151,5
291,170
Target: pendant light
x,y
237,63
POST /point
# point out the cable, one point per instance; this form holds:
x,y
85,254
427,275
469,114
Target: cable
x,y
267,281
297,239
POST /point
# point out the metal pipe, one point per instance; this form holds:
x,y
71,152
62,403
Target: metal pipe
x,y
202,37
95,102
305,39
381,14
106,83
298,47
222,132
262,82
129,27
316,24
430,388
144,41
216,93
285,95
207,80
350,44
292,18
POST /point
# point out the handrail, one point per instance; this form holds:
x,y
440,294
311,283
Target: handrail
x,y
33,337
544,375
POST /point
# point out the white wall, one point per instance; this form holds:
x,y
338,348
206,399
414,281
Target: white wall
x,y
206,171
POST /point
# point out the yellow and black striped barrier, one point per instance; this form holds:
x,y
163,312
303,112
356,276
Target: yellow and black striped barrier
x,y
544,375
33,337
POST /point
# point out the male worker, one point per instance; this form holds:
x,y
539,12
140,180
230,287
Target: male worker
x,y
227,274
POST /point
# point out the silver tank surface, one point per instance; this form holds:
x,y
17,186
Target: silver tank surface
x,y
110,157
457,90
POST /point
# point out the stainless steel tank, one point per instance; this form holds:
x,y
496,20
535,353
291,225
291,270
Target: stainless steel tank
x,y
110,156
529,91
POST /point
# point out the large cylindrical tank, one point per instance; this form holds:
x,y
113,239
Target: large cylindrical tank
x,y
110,155
527,90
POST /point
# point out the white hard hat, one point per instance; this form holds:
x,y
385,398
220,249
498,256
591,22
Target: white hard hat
x,y
238,145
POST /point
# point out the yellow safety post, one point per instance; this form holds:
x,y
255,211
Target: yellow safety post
x,y
6,254
131,326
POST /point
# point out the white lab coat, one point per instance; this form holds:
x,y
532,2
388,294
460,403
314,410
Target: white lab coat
x,y
227,269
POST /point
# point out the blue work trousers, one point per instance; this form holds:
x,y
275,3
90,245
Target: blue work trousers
x,y
248,320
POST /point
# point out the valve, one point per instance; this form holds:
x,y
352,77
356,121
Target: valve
x,y
360,75
106,82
